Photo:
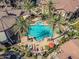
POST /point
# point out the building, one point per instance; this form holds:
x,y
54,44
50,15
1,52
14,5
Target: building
x,y
70,49
66,6
13,55
7,32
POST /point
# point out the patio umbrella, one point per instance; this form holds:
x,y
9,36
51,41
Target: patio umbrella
x,y
51,45
6,22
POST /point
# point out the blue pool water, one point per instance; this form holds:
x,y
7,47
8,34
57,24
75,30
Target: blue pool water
x,y
40,31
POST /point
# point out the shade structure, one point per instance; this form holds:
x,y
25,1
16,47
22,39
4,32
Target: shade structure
x,y
7,22
51,45
6,29
13,55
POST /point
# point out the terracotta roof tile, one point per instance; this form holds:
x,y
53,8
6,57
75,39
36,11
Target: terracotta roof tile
x,y
67,5
70,48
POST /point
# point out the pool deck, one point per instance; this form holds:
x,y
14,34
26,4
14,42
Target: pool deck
x,y
41,44
24,41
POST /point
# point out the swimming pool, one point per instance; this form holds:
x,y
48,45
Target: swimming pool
x,y
39,31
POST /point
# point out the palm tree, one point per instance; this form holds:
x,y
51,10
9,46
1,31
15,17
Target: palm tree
x,y
22,25
52,19
51,8
75,28
28,5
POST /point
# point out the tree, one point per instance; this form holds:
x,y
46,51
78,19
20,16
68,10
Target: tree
x,y
51,8
52,17
76,25
22,25
28,5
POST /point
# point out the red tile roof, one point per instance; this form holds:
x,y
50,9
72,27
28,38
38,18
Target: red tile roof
x,y
67,5
70,48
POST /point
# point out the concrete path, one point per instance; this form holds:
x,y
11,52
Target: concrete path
x,y
39,57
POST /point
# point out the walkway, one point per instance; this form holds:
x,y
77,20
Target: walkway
x,y
39,57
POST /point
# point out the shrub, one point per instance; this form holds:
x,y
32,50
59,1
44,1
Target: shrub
x,y
29,54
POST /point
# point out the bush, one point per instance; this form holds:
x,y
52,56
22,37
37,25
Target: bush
x,y
44,17
1,49
7,49
63,39
45,54
47,47
52,49
29,54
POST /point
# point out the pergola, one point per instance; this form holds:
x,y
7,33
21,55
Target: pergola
x,y
6,29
